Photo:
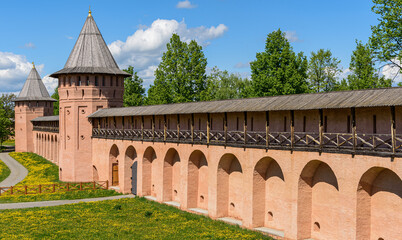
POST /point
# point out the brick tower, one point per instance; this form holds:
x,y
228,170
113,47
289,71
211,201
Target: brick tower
x,y
90,80
32,102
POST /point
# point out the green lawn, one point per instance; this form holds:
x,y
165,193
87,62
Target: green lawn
x,y
4,171
9,143
42,171
133,218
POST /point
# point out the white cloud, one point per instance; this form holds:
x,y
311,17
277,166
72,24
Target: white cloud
x,y
144,48
292,36
392,72
69,37
185,4
50,83
242,65
344,74
29,45
14,70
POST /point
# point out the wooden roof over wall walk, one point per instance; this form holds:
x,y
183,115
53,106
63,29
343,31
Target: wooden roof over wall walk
x,y
332,100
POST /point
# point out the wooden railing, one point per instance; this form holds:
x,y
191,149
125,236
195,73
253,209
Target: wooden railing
x,y
359,143
46,129
52,188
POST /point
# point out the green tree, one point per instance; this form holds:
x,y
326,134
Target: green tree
x,y
180,77
386,38
225,85
56,104
7,104
279,70
322,71
363,70
5,126
133,89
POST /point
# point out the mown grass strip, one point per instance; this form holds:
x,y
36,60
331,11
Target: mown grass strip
x,y
4,171
115,219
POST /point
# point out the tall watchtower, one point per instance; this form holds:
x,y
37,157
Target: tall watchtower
x,y
89,81
32,102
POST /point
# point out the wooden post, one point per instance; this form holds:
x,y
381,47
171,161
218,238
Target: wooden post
x,y
192,127
225,127
26,189
107,184
292,128
267,129
208,127
11,190
54,187
68,187
99,120
178,127
320,127
393,129
80,186
164,128
153,127
142,127
245,127
94,186
353,112
40,188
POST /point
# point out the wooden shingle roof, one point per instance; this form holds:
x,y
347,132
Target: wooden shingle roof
x,y
343,99
90,54
34,89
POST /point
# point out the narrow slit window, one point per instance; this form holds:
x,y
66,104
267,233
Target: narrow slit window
x,y
111,81
79,81
284,124
87,82
374,124
103,81
96,81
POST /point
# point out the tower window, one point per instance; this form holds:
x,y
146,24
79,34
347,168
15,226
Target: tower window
x,y
37,104
96,81
87,82
103,81
79,81
64,82
69,82
111,81
117,82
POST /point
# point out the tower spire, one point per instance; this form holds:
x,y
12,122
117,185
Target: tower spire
x,y
89,12
33,65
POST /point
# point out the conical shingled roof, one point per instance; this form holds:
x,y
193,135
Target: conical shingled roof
x,y
90,53
34,89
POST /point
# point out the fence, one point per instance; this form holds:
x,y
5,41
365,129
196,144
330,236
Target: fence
x,y
52,188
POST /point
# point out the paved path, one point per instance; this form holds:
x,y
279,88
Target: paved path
x,y
18,172
58,202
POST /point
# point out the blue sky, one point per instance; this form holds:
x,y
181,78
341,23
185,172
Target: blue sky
x,y
231,32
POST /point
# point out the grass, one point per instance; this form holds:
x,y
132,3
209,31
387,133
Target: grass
x,y
9,143
133,218
4,171
42,171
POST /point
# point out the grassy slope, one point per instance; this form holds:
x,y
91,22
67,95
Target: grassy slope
x,y
41,171
117,219
4,171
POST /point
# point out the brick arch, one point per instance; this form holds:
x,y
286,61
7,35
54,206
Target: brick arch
x,y
269,196
149,173
197,181
379,196
318,196
113,159
171,176
129,157
230,187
